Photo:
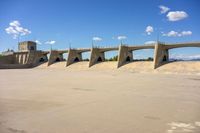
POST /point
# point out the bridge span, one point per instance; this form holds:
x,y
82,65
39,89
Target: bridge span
x,y
161,53
125,54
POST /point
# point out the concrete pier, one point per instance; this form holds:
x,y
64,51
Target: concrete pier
x,y
75,55
98,54
125,55
161,53
56,56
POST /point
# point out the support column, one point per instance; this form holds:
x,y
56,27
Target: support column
x,y
54,56
96,56
16,60
124,55
74,56
20,58
161,54
24,58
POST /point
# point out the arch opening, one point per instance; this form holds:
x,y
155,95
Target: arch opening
x,y
42,60
111,55
128,59
143,55
99,59
57,60
165,58
65,55
184,54
76,59
86,56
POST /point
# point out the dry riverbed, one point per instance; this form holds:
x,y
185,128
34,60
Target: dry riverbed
x,y
96,100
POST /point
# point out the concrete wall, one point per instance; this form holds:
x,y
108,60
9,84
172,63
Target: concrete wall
x,y
15,66
7,59
15,58
22,59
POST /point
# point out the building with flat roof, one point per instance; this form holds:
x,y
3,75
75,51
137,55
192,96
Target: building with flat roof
x,y
27,46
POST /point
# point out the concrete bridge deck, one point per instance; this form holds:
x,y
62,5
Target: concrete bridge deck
x,y
180,45
81,50
106,49
140,47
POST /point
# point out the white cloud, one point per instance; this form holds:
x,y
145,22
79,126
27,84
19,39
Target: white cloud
x,y
171,33
121,37
176,15
97,39
38,42
186,33
149,30
25,32
184,57
177,34
16,30
163,9
15,23
11,30
150,42
50,42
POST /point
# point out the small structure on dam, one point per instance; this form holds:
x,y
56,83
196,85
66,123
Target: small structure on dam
x,y
28,56
27,46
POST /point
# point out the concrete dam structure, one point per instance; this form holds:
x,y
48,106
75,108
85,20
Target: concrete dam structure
x,y
28,56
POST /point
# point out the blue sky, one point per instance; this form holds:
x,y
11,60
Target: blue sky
x,y
78,22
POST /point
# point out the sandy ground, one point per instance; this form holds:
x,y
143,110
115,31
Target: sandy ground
x,y
181,67
101,99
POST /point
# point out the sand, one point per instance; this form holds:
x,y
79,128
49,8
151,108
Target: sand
x,y
181,67
101,99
